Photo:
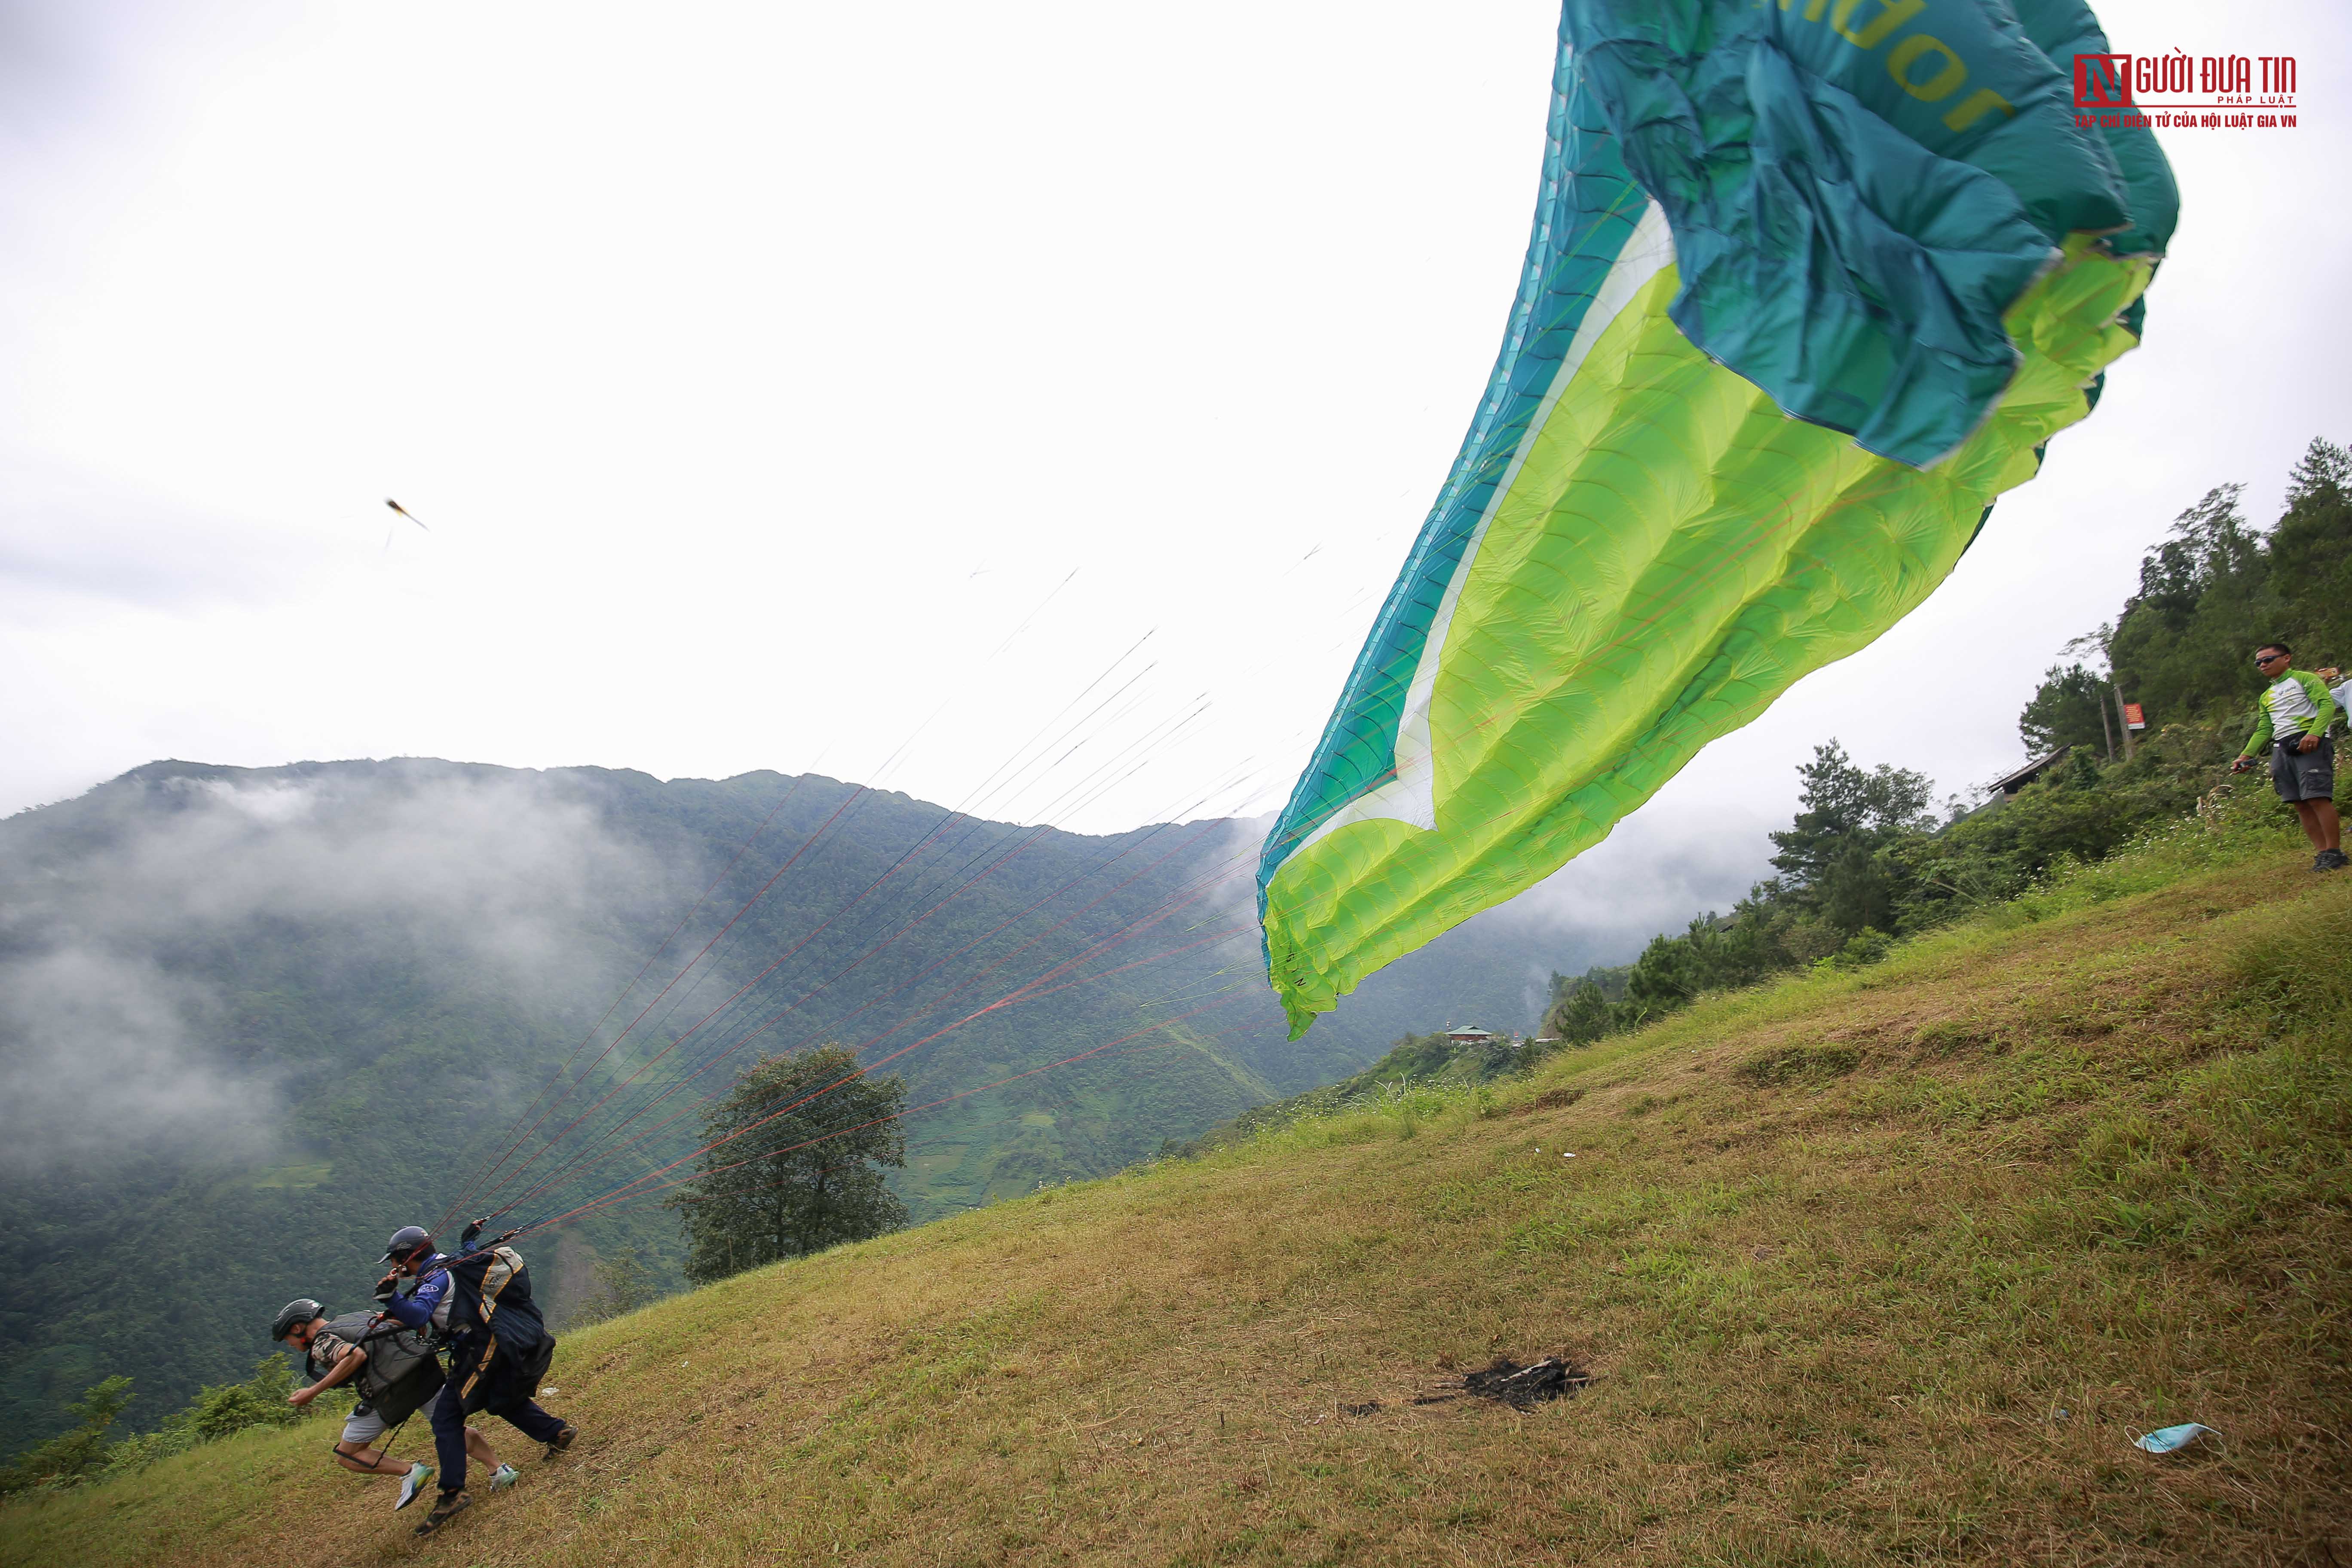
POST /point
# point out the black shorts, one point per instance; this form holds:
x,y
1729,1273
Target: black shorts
x,y
2303,776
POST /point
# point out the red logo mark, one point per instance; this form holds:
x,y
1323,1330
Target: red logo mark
x,y
2103,81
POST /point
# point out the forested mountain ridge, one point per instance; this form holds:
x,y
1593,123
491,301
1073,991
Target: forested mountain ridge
x,y
252,1019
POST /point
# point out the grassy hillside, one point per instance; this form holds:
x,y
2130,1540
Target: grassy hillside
x,y
1867,1268
251,1020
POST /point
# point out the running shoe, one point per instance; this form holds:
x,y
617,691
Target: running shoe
x,y
413,1483
561,1442
504,1476
451,1505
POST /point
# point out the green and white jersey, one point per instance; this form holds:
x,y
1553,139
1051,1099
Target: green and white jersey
x,y
2296,704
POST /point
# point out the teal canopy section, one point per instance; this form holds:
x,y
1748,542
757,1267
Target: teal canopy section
x,y
1859,189
1585,211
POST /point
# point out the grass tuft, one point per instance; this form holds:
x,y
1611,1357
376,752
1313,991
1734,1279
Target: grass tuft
x,y
1796,1064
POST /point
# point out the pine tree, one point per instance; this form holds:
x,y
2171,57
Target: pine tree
x,y
1844,806
1579,1013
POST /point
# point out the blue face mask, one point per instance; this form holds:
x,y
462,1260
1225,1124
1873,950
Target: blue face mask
x,y
2166,1440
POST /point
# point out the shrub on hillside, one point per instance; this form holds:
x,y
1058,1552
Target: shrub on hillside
x,y
83,1454
77,1454
259,1401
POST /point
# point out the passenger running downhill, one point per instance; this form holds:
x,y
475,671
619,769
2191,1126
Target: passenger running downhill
x,y
479,1305
392,1369
2292,721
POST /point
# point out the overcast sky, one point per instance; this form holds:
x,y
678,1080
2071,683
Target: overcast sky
x,y
761,374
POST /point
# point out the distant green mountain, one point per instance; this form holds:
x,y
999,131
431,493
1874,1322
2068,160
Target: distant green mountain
x,y
251,1020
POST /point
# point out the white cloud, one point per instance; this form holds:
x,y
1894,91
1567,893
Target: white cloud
x,y
101,1058
108,1038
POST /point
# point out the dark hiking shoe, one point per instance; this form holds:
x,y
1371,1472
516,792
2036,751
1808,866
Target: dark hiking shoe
x,y
2331,860
449,1507
561,1442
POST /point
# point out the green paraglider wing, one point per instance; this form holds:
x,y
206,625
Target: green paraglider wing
x,y
1812,283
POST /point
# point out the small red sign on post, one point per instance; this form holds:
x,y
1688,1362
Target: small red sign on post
x,y
2134,717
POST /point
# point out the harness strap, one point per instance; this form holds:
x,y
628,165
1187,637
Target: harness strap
x,y
382,1452
490,1311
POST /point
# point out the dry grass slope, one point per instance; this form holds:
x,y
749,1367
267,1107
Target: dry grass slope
x,y
1839,1254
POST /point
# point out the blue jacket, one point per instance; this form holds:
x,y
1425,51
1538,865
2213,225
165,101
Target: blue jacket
x,y
426,1307
494,1364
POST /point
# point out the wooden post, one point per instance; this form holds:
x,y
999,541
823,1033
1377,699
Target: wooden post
x,y
2123,718
2108,730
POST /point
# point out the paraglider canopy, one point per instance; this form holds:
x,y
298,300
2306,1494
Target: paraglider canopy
x,y
1810,285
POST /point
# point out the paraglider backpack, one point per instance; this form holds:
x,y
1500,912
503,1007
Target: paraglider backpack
x,y
401,1372
493,1291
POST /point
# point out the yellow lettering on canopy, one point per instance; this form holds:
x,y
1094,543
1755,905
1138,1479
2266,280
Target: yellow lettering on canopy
x,y
1896,13
1973,108
1942,85
1812,10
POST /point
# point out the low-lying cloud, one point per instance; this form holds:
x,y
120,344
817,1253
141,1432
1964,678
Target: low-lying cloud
x,y
1660,867
111,1016
102,1052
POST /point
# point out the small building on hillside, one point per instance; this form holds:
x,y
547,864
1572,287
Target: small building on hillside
x,y
2006,787
1470,1034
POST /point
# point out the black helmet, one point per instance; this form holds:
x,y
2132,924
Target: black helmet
x,y
407,1242
293,1315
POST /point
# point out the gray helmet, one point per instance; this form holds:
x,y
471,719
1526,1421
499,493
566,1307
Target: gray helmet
x,y
293,1315
407,1242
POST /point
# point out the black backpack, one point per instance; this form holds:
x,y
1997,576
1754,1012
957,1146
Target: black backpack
x,y
502,1345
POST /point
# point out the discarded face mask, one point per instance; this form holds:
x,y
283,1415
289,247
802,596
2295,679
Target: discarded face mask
x,y
2167,1440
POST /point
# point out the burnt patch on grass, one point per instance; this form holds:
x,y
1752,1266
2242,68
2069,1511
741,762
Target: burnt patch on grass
x,y
1505,1382
1796,1064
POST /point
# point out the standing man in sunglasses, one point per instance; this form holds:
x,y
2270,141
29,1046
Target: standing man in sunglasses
x,y
2291,723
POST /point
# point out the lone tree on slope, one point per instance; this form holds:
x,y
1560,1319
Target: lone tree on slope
x,y
801,1179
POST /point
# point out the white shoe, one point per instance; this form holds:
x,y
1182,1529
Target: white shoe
x,y
504,1476
413,1483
